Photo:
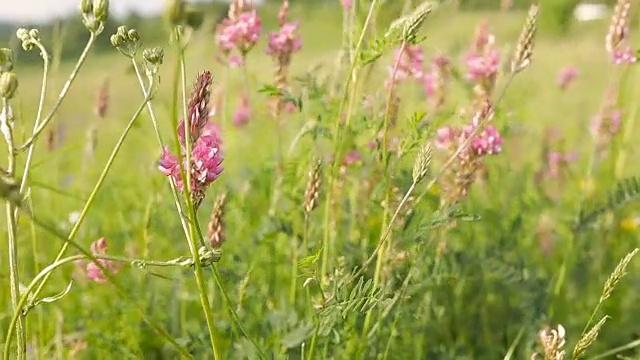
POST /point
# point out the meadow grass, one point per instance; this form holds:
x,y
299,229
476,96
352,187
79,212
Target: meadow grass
x,y
478,279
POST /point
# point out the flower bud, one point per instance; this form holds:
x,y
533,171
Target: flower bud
x,y
133,35
116,40
101,10
123,32
23,34
153,56
8,84
6,60
34,34
174,12
86,7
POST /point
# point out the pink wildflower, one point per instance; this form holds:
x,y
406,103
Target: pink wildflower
x,y
241,33
352,157
205,141
482,66
94,273
346,4
557,161
607,125
483,63
566,76
242,114
623,55
410,61
470,161
235,61
284,42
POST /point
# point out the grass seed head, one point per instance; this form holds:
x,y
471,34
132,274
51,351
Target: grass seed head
x,y
587,339
312,191
216,227
619,28
526,42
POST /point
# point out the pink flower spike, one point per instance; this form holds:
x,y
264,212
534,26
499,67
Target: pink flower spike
x,y
623,56
566,76
168,163
346,4
242,114
352,157
235,61
94,273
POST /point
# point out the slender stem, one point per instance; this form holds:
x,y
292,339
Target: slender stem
x,y
191,238
43,94
14,281
314,340
338,129
385,166
46,272
94,192
294,270
232,311
626,137
62,95
156,128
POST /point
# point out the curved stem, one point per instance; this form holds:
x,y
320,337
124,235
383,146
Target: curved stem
x,y
43,94
94,192
46,273
63,93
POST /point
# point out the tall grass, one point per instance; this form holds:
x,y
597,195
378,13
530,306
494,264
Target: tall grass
x,y
391,189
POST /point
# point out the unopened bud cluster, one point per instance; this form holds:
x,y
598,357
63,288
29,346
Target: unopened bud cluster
x,y
29,38
153,56
8,79
126,40
94,14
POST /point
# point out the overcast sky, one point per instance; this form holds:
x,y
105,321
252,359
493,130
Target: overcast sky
x,y
41,10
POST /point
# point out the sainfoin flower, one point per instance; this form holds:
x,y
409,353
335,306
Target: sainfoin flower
x,y
285,41
470,160
242,115
346,4
93,271
205,143
409,61
483,62
605,126
623,55
240,33
566,76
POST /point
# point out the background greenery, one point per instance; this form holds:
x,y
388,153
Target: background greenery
x,y
491,289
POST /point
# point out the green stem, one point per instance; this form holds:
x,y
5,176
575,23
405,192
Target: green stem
x,y
626,137
191,238
314,340
12,248
43,94
154,121
294,270
94,192
385,165
62,95
338,129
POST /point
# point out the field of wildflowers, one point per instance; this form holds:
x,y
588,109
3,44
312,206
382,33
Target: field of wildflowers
x,y
330,184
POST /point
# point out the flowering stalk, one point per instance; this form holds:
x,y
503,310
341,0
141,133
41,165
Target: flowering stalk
x,y
188,129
